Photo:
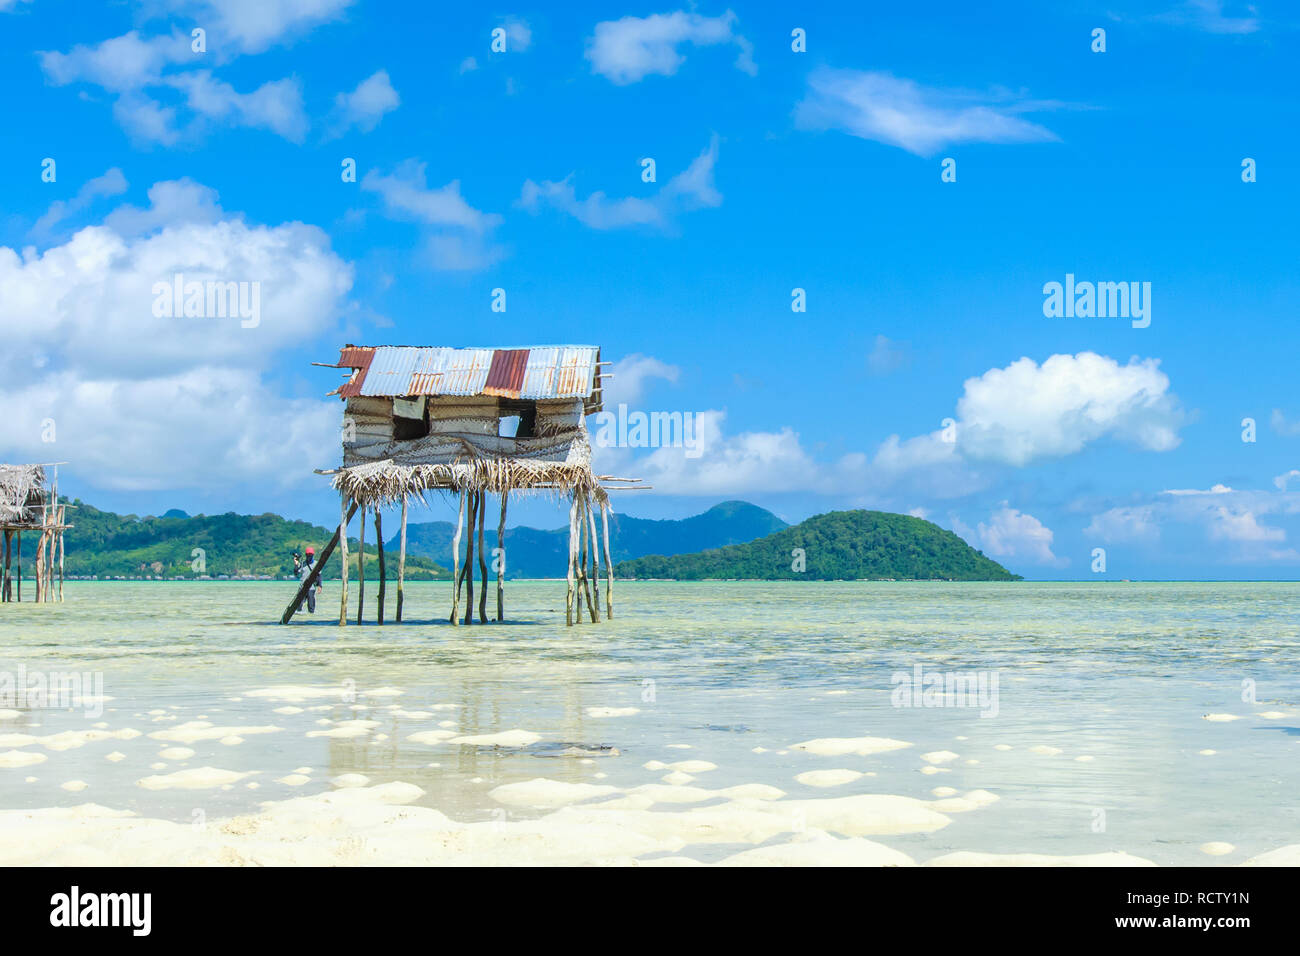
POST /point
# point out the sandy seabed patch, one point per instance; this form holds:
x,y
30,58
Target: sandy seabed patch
x,y
589,824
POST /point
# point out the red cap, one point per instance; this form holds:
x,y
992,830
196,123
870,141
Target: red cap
x,y
310,549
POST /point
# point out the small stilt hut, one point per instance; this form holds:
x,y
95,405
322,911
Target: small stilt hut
x,y
29,504
472,422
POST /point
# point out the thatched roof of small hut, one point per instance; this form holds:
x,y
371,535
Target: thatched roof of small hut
x,y
23,493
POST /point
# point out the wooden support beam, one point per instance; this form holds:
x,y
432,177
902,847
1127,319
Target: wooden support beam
x,y
345,515
469,558
482,560
5,583
401,563
571,593
314,575
62,514
379,549
361,565
455,562
595,559
501,559
609,565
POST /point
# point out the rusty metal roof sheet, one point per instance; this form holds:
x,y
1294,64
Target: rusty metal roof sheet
x,y
506,376
549,372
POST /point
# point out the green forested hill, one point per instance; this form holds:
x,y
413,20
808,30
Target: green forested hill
x,y
840,545
105,544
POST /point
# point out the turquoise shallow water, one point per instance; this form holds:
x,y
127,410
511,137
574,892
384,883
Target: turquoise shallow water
x,y
1121,673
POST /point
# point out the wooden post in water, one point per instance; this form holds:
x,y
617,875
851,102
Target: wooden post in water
x,y
344,515
455,562
379,548
469,558
482,560
501,559
609,565
595,560
19,563
401,562
62,518
361,564
4,580
571,593
40,564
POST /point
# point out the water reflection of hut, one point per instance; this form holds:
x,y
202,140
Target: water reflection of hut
x,y
474,422
29,504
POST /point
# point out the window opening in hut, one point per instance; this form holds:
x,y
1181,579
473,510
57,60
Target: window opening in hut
x,y
527,422
410,418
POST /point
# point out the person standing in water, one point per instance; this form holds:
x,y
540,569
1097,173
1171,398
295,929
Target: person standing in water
x,y
302,567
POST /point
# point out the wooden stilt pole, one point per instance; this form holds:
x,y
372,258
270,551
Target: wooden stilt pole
x,y
62,521
379,549
595,559
482,560
455,562
584,585
40,565
401,563
4,581
469,558
609,565
20,568
571,594
344,516
361,564
501,559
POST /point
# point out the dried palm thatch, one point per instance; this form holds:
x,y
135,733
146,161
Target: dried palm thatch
x,y
23,495
556,464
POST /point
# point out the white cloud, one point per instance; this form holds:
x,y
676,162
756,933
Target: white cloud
x,y
1229,518
140,401
887,356
365,106
252,26
519,35
131,64
691,189
1282,426
1282,480
171,203
1209,16
1027,411
460,235
112,183
1011,416
629,49
1015,535
1229,524
921,120
1212,490
120,64
629,376
276,105
1125,524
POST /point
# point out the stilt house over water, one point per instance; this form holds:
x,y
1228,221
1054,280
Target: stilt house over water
x,y
29,505
474,422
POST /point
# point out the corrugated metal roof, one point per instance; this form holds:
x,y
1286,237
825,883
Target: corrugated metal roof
x,y
506,376
549,372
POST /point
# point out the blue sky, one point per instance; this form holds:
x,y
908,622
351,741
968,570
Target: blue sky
x,y
775,170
